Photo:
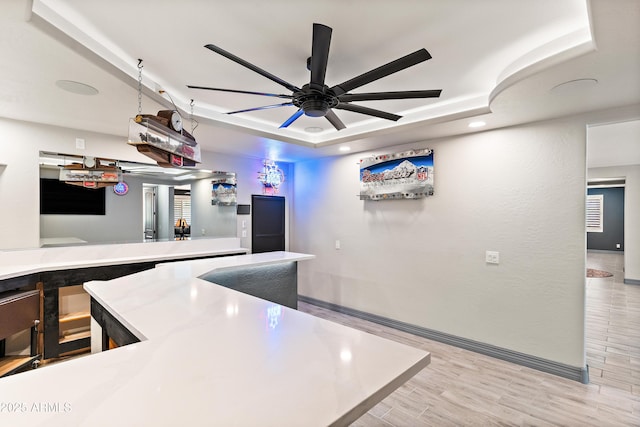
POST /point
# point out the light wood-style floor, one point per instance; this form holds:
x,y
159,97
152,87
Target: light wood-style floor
x,y
462,388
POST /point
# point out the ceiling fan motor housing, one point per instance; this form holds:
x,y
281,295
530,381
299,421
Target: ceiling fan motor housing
x,y
315,107
315,103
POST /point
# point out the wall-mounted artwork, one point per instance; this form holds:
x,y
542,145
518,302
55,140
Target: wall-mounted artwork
x,y
406,175
223,188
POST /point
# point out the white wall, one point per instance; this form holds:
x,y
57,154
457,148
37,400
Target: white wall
x,y
20,146
247,170
208,219
519,191
122,221
631,174
165,212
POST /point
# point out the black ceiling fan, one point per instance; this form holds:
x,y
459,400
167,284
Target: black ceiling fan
x,y
316,99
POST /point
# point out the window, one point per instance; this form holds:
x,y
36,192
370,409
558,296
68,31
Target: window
x,y
595,206
182,208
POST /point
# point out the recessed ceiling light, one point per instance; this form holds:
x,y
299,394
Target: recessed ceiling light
x,y
477,124
313,129
344,148
574,85
76,87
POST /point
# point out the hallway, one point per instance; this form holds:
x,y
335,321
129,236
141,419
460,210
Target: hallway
x,y
613,326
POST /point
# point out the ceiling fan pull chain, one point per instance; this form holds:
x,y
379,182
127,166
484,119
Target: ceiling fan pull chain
x,y
139,86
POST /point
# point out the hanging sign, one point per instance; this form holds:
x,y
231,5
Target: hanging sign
x,y
121,188
406,175
90,177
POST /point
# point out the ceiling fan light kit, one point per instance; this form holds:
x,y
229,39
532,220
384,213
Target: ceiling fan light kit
x,y
316,99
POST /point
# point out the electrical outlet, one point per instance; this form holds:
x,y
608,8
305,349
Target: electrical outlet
x,y
492,257
80,143
337,244
244,233
617,245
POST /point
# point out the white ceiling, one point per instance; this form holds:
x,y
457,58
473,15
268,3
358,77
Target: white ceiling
x,y
495,60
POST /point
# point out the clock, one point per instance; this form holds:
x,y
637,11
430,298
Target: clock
x,y
176,122
171,119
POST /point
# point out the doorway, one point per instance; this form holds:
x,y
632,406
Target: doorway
x,y
182,212
607,202
150,212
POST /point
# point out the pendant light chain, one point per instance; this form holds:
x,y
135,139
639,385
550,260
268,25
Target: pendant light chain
x,y
139,86
194,123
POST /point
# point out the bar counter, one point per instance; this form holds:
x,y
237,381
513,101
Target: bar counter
x,y
209,355
59,267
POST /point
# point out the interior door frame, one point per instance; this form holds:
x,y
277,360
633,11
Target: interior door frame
x,y
152,233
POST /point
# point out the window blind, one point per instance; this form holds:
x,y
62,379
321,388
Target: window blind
x,y
182,208
595,206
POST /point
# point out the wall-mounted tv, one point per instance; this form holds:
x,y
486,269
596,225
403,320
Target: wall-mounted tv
x,y
59,198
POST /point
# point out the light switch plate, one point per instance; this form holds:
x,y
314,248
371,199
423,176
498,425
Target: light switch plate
x,y
492,257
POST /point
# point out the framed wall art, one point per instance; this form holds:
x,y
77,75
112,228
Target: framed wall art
x,y
405,175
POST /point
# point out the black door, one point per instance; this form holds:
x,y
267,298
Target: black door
x,y
267,223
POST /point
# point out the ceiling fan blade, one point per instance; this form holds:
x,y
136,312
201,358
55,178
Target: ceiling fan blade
x,y
240,91
368,111
320,54
334,120
375,96
266,107
252,67
292,119
382,71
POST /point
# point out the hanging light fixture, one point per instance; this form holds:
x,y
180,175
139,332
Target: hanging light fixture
x,y
161,136
91,173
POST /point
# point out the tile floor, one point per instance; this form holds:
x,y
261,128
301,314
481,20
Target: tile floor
x,y
462,388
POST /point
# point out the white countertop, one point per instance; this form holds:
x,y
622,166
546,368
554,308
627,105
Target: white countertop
x,y
22,262
61,241
212,356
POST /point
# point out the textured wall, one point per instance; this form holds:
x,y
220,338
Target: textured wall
x,y
519,191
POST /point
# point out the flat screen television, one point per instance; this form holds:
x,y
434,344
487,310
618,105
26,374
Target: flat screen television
x,y
59,198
